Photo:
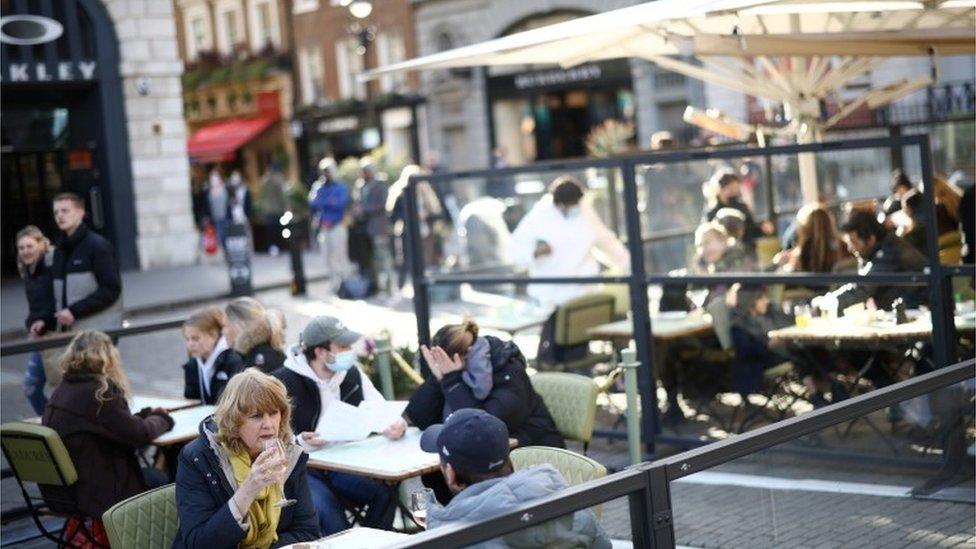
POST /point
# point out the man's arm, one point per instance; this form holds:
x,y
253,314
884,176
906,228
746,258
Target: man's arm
x,y
106,273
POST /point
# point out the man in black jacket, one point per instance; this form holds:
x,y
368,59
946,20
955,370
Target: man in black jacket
x,y
877,251
87,285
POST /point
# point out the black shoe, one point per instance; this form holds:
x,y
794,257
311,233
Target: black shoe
x,y
818,400
838,392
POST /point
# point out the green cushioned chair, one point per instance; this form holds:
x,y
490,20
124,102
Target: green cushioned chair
x,y
145,521
571,399
573,319
37,454
575,468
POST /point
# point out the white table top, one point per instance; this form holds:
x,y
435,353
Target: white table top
x,y
666,326
378,457
187,425
353,538
138,402
512,320
843,329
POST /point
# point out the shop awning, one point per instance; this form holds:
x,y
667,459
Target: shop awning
x,y
219,141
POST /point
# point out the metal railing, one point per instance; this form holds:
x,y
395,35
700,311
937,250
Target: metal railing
x,y
62,339
647,485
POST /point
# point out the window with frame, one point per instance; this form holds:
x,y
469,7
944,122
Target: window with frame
x,y
349,65
265,20
311,74
198,36
231,31
390,48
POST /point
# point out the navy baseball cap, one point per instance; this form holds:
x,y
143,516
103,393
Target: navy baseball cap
x,y
471,440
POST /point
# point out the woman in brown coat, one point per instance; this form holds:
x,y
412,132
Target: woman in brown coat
x,y
90,411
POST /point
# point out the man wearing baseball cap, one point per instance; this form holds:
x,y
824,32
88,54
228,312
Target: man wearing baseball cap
x,y
473,446
320,370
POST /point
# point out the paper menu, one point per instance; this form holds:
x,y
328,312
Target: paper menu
x,y
344,422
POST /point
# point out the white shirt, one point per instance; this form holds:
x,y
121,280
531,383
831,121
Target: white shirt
x,y
579,245
206,367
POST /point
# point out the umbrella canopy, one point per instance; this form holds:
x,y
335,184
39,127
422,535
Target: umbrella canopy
x,y
796,52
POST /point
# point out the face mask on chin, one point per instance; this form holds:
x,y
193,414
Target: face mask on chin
x,y
343,362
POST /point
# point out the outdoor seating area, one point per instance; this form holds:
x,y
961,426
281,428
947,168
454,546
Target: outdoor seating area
x,y
361,274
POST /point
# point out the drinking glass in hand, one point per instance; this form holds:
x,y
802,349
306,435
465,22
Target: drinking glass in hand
x,y
420,501
275,444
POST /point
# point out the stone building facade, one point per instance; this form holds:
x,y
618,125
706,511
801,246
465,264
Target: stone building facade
x,y
157,132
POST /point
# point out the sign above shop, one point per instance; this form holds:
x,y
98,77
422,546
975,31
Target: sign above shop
x,y
29,30
582,73
336,125
63,71
607,72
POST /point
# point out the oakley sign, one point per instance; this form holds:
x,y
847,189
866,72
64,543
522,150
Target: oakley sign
x,y
33,30
29,30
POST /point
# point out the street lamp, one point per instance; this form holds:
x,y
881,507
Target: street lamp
x,y
360,9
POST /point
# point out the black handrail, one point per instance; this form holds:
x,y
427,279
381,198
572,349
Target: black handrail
x,y
647,484
60,340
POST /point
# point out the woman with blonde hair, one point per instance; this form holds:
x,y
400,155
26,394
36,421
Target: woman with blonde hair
x,y
243,482
34,266
258,334
90,411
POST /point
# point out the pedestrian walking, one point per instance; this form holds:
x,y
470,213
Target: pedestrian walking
x,y
274,203
371,208
34,266
329,204
86,281
217,203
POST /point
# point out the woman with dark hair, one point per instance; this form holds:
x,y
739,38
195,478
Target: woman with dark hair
x,y
818,246
474,371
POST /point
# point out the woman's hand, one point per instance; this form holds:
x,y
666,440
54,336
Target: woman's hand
x,y
396,430
313,439
439,363
267,469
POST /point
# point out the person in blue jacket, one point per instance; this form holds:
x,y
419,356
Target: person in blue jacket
x,y
231,481
328,201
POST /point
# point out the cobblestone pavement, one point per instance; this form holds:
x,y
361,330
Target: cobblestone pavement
x,y
705,515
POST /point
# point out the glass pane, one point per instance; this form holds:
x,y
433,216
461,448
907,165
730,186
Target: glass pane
x,y
896,477
498,225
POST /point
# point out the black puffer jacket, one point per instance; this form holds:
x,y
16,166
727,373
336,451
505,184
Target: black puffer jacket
x,y
228,363
264,357
86,280
512,399
892,255
39,287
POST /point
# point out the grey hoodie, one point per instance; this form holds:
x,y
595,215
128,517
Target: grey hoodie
x,y
493,497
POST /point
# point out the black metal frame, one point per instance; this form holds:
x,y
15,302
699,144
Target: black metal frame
x,y
935,277
647,485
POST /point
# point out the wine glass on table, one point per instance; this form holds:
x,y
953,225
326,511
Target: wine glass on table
x,y
275,444
420,502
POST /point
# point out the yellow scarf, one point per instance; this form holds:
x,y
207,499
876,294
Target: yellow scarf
x,y
262,514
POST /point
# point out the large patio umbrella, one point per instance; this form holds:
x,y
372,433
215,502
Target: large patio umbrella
x,y
795,52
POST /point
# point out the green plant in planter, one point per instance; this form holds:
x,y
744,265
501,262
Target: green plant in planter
x,y
403,385
609,138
